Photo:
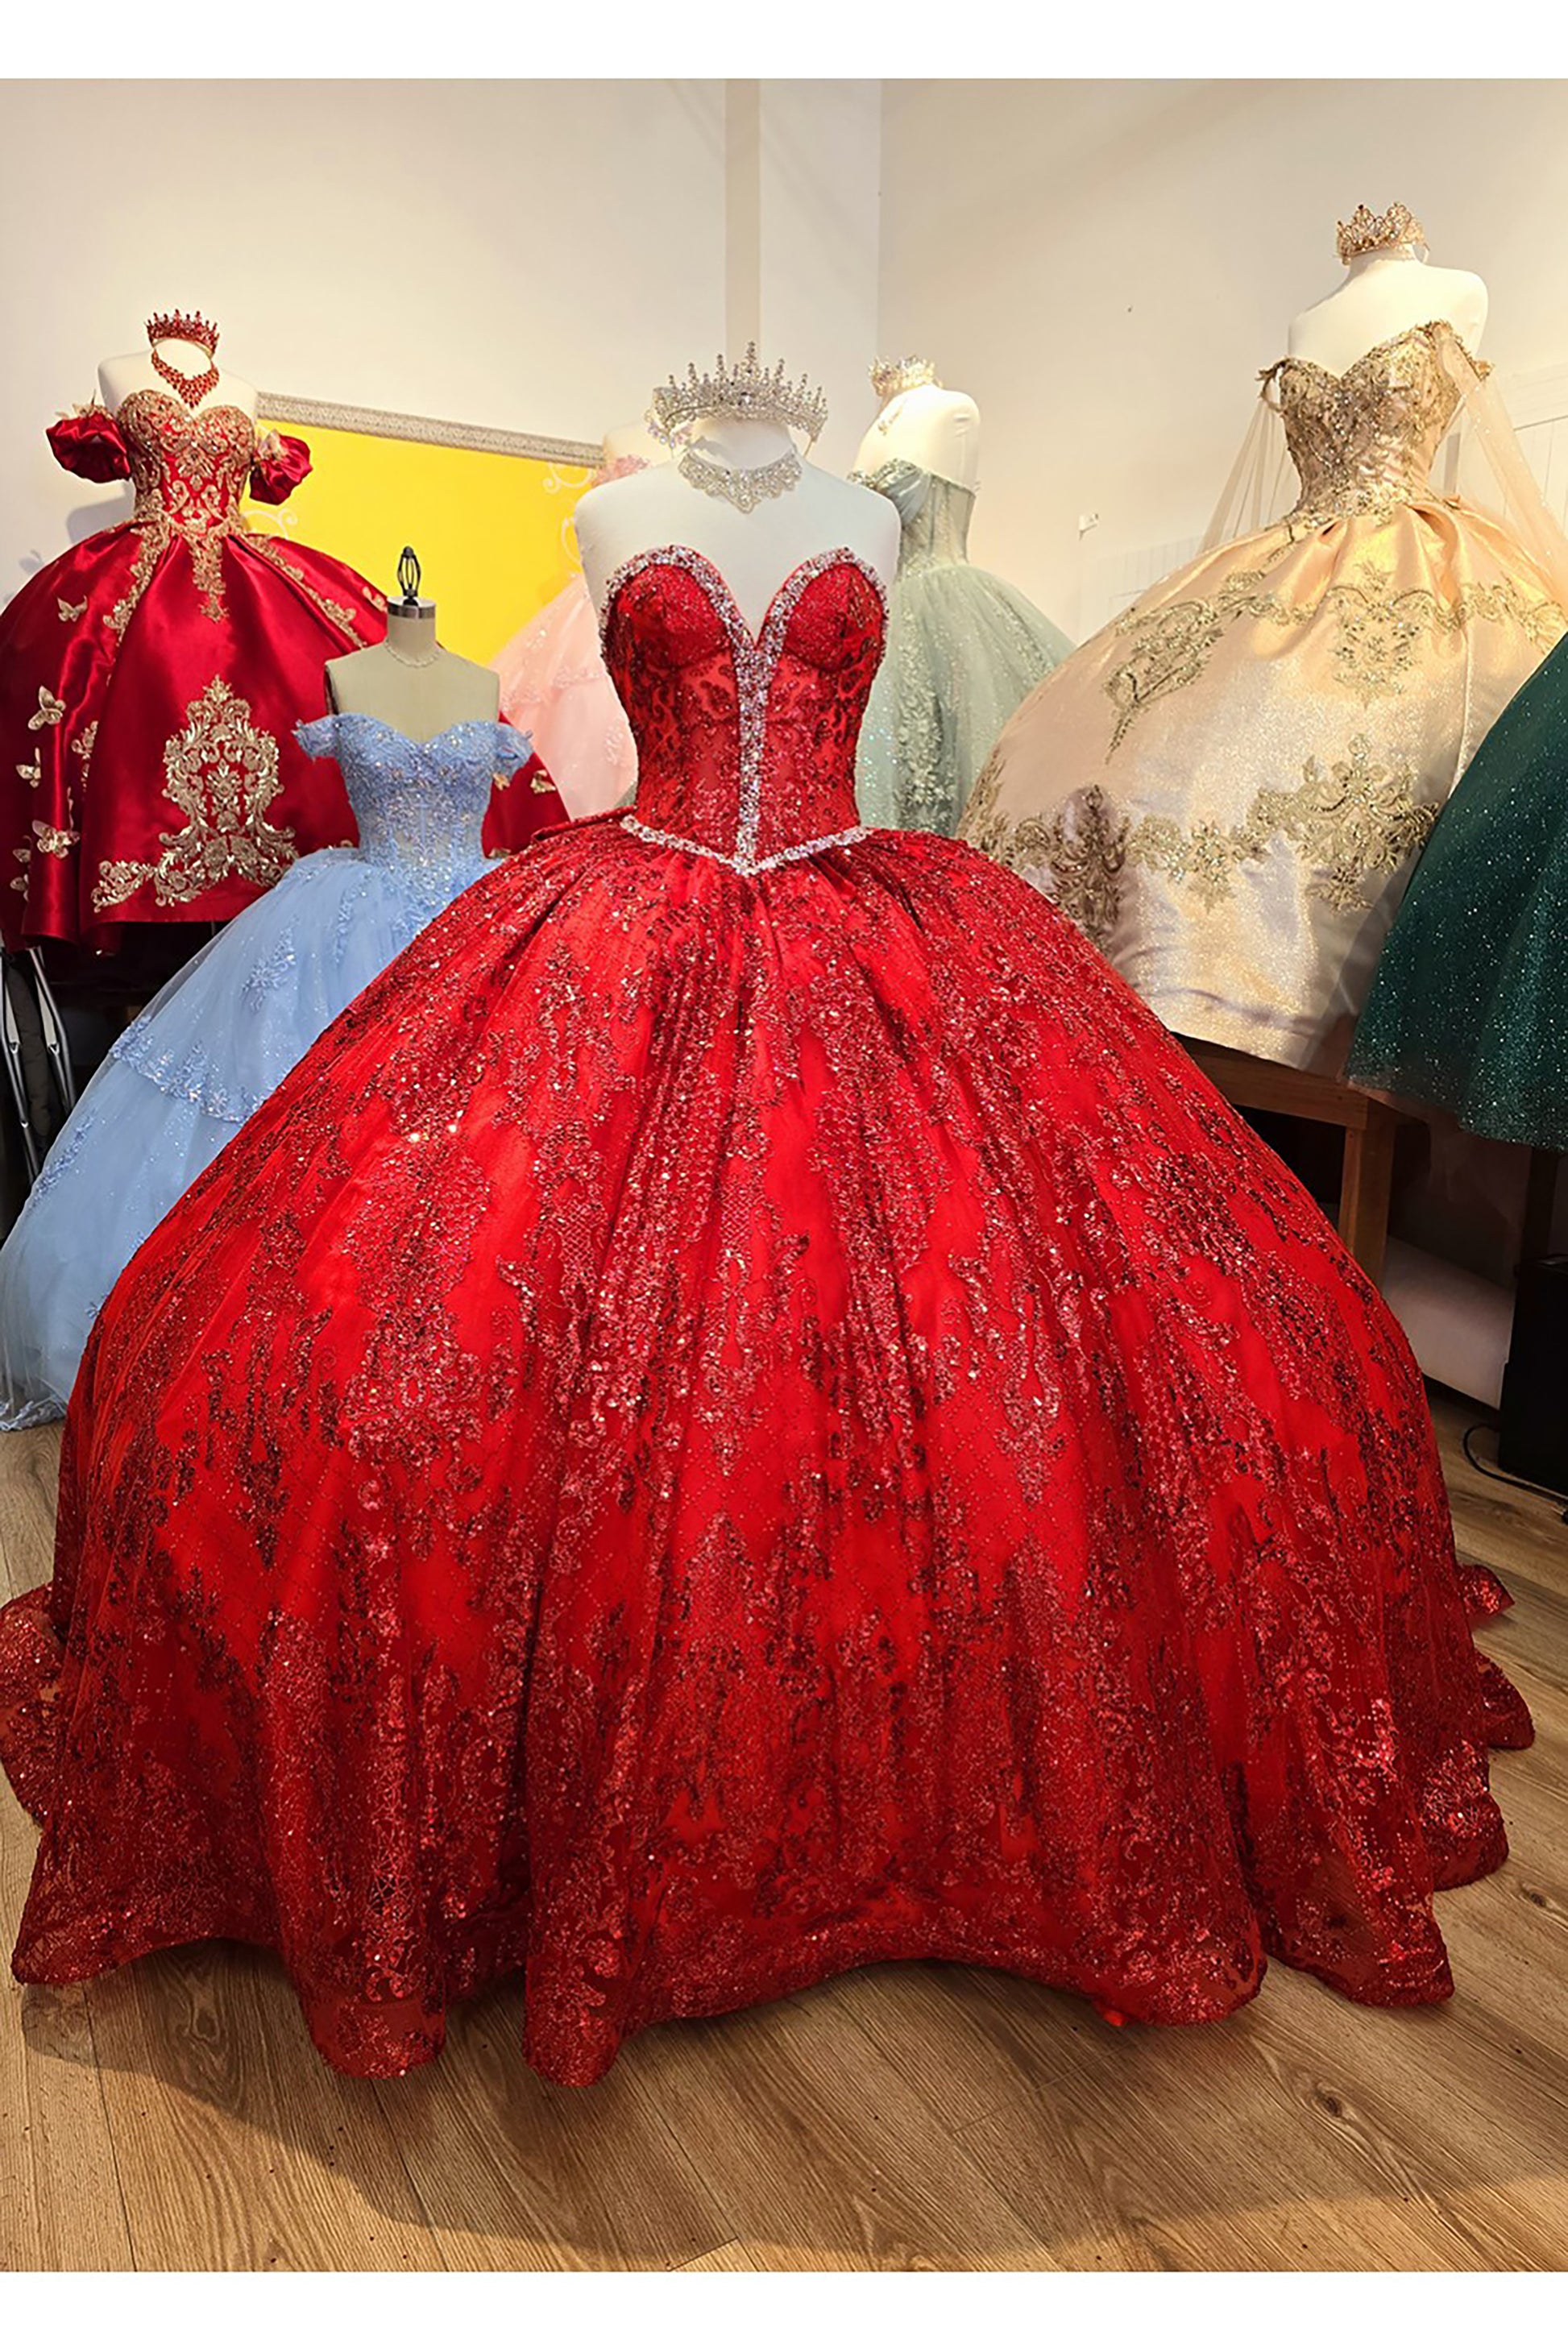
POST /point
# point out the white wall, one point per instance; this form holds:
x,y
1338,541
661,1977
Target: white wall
x,y
1107,267
530,255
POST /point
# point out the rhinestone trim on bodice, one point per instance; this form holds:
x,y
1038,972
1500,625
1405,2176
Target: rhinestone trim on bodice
x,y
755,659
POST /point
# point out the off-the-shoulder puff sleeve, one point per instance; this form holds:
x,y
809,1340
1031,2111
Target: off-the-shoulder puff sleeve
x,y
318,738
513,749
279,465
90,443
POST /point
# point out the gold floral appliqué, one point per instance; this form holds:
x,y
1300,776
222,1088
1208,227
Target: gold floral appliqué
x,y
221,771
1350,818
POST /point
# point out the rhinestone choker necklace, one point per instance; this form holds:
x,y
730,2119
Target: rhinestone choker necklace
x,y
744,485
413,661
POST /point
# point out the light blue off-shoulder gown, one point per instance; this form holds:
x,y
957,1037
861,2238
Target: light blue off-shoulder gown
x,y
212,1044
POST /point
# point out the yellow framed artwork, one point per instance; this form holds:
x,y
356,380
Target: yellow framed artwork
x,y
488,513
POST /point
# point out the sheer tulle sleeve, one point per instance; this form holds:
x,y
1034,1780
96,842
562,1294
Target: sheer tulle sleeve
x,y
90,443
279,465
1262,482
906,487
1490,469
318,738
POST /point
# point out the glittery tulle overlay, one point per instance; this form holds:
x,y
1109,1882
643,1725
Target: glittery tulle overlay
x,y
555,688
1468,1006
729,1421
1228,787
196,1062
963,650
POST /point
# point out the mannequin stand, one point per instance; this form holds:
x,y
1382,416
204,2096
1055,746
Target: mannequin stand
x,y
1369,1127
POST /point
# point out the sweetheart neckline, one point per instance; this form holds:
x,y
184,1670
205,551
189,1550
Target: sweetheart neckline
x,y
1427,326
701,568
186,416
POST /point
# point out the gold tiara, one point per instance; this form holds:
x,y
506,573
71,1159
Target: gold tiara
x,y
890,377
1368,232
762,395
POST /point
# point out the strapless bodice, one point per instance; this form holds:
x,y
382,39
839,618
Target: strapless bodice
x,y
745,744
935,514
420,807
1363,441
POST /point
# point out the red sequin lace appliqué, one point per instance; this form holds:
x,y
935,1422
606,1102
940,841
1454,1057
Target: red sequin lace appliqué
x,y
730,1424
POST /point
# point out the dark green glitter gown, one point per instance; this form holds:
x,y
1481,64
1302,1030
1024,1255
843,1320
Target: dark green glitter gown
x,y
1468,1008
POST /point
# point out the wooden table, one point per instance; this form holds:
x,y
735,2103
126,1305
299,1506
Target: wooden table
x,y
1369,1127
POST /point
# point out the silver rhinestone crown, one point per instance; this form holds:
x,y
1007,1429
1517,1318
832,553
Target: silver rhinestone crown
x,y
762,395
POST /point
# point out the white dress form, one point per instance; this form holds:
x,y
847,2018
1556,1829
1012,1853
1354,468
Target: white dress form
x,y
411,682
632,441
928,427
134,372
754,553
1382,296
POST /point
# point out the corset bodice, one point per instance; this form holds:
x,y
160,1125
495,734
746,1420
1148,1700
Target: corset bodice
x,y
935,514
745,744
191,467
420,807
1364,440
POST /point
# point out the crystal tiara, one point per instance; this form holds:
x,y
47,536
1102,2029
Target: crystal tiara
x,y
1369,232
890,377
758,394
177,326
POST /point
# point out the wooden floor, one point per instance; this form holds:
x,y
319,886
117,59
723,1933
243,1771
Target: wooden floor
x,y
175,2116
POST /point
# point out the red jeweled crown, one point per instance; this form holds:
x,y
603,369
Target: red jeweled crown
x,y
182,327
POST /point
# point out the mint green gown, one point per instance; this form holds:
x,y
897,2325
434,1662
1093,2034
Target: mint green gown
x,y
963,651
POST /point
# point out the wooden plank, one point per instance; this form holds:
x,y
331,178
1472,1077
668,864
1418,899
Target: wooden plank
x,y
1366,1187
29,1479
819,2150
1253,1084
20,2246
238,2147
513,2173
59,2158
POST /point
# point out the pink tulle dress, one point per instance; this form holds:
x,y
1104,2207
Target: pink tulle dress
x,y
554,687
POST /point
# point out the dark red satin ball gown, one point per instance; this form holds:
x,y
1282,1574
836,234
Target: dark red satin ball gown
x,y
746,1412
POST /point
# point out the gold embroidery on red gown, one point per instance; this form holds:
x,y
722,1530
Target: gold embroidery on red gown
x,y
231,610
222,772
1256,750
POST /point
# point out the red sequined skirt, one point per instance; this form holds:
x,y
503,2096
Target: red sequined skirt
x,y
717,1428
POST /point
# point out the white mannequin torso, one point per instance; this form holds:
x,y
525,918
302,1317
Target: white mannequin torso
x,y
134,372
927,426
633,441
754,553
1383,294
411,682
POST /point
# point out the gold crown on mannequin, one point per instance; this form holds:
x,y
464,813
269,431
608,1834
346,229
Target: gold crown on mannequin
x,y
762,395
180,327
1369,232
890,377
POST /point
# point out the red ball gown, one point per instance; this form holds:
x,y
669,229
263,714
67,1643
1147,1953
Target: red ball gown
x,y
746,1411
150,680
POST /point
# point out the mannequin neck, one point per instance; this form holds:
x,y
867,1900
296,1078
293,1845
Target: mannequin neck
x,y
191,359
411,636
741,441
1382,264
